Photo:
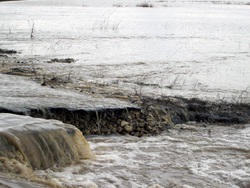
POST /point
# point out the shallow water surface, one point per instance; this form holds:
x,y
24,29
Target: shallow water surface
x,y
199,49
195,155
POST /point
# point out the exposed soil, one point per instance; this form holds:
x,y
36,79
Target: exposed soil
x,y
150,118
153,117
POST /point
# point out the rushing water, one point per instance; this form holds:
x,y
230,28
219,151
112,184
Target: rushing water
x,y
205,46
193,156
28,143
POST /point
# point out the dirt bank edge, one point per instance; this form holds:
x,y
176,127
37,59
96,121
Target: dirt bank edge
x,y
151,118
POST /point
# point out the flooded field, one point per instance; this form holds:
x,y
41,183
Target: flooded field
x,y
188,49
100,54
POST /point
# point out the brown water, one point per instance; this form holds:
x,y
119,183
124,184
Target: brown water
x,y
189,155
193,156
28,144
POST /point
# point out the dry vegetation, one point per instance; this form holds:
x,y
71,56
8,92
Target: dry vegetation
x,y
145,5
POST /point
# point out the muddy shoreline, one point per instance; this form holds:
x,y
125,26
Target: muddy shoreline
x,y
150,117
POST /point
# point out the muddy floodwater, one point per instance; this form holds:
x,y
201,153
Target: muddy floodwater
x,y
62,56
189,156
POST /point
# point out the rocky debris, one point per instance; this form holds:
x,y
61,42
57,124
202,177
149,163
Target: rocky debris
x,y
153,117
124,123
130,121
2,51
67,60
128,128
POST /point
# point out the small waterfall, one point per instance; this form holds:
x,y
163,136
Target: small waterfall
x,y
28,143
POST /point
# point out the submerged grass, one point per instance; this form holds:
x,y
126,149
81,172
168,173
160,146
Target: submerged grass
x,y
145,5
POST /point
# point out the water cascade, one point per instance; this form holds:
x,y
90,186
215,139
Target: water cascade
x,y
32,143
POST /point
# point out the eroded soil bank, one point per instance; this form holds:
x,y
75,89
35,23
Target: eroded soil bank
x,y
146,116
151,118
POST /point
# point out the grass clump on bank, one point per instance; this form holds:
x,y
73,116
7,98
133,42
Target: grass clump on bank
x,y
145,5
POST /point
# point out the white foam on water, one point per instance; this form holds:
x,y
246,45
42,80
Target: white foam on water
x,y
186,160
